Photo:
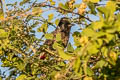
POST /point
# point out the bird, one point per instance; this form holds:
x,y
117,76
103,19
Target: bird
x,y
64,27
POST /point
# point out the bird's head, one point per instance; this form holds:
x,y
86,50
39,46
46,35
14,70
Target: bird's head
x,y
65,21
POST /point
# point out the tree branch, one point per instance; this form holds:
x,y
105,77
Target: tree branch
x,y
57,8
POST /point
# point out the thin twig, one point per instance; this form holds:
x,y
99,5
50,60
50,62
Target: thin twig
x,y
57,8
17,50
30,46
51,53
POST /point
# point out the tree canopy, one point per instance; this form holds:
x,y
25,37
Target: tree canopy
x,y
25,26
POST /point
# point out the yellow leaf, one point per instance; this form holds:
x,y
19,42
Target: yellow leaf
x,y
88,78
57,21
1,52
57,76
1,14
52,3
83,40
58,37
37,11
113,55
95,1
50,17
21,77
49,36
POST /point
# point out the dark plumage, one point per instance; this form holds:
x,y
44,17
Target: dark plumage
x,y
64,28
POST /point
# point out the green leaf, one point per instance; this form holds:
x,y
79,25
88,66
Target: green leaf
x,y
56,45
111,30
104,11
89,71
70,48
21,77
77,66
58,37
99,42
88,32
76,40
111,6
61,64
34,71
117,22
92,7
97,25
32,78
92,48
37,11
1,78
20,65
43,28
58,68
76,5
10,56
63,6
64,55
100,64
49,36
109,37
28,67
100,34
3,34
23,2
76,35
108,10
104,51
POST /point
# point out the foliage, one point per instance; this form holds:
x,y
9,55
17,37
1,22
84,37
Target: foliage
x,y
94,55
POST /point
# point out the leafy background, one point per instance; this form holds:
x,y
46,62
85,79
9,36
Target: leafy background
x,y
93,51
